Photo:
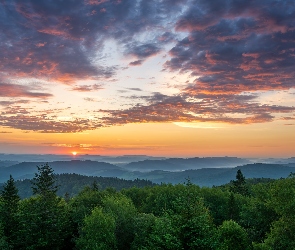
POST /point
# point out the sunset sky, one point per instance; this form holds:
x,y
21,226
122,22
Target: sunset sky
x,y
157,77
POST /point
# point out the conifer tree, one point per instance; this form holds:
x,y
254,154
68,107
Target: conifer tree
x,y
44,182
239,185
44,218
10,200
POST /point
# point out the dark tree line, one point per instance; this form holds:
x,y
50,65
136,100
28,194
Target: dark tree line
x,y
236,216
72,184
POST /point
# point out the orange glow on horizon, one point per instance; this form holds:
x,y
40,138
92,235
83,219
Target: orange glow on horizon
x,y
161,139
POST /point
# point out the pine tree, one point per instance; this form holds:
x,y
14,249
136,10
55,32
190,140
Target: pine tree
x,y
239,185
10,199
44,182
44,218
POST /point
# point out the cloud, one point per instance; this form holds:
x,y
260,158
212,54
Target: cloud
x,y
243,46
8,103
135,89
233,109
63,41
233,50
87,88
16,90
45,124
136,63
143,51
88,99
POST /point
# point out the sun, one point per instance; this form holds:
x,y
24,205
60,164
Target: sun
x,y
74,153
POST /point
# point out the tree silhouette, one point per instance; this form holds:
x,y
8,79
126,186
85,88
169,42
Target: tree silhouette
x,y
239,185
44,182
8,211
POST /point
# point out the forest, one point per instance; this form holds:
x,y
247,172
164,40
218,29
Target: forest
x,y
240,215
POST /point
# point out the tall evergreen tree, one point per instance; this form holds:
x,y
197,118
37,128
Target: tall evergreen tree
x,y
44,182
239,185
10,200
44,219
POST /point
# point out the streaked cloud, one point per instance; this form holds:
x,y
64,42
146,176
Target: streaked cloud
x,y
16,90
233,109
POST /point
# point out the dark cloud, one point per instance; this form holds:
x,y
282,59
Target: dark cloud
x,y
135,89
8,103
202,108
16,90
243,46
142,52
230,47
61,39
45,124
136,63
167,37
87,88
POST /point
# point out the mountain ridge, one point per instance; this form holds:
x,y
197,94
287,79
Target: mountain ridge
x,y
176,170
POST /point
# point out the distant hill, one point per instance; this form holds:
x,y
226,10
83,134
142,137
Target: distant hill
x,y
4,164
201,171
179,164
123,159
26,170
74,183
216,176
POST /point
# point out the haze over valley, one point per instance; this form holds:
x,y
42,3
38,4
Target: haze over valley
x,y
203,171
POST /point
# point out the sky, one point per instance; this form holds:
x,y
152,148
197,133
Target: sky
x,y
175,78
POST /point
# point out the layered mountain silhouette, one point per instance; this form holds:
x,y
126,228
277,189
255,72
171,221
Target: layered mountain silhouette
x,y
206,171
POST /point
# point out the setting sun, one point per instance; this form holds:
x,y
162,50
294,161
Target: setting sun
x,y
74,153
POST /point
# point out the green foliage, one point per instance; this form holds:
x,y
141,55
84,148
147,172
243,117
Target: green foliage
x,y
159,217
282,200
282,196
256,217
216,200
233,209
44,220
98,232
162,198
10,195
123,211
282,234
73,184
8,209
43,224
3,240
44,182
196,228
143,228
259,246
138,196
185,222
239,185
82,204
231,236
164,235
